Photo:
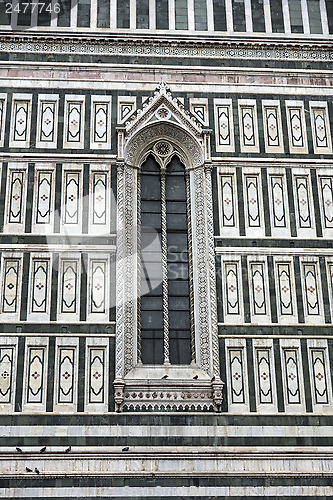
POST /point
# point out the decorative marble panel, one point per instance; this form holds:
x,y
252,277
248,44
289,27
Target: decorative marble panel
x,y
224,125
199,108
311,292
263,363
3,109
303,201
292,382
10,285
74,122
284,287
228,215
47,121
257,285
40,270
20,121
321,133
6,374
44,188
326,198
35,374
296,127
252,200
232,292
237,376
248,126
319,376
16,196
99,197
66,360
278,201
97,374
100,127
71,197
126,107
97,293
69,286
272,126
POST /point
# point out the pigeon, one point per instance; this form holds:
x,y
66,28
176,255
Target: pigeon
x,y
28,470
213,379
195,377
42,449
36,470
125,449
18,449
165,376
68,449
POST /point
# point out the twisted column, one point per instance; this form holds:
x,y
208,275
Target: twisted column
x,y
190,262
164,244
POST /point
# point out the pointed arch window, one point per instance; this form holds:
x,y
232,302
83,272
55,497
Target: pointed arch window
x,y
165,321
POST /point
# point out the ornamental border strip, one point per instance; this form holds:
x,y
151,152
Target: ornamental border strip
x,y
112,48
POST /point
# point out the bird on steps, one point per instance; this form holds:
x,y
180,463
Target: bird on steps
x,y
196,377
18,449
42,449
165,376
28,470
36,470
125,449
68,449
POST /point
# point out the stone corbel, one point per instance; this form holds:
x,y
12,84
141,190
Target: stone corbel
x,y
118,385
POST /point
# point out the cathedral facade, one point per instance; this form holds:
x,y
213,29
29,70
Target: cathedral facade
x,y
166,267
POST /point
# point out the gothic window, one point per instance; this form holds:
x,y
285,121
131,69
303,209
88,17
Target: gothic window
x,y
165,304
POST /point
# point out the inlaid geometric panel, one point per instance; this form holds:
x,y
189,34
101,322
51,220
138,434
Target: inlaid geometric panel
x,y
6,374
292,382
231,287
224,125
3,106
278,203
74,122
39,287
264,376
311,294
10,285
318,366
321,133
66,360
326,188
97,363
47,121
99,198
16,196
236,376
71,197
296,127
69,286
199,108
44,185
228,218
272,126
252,200
126,107
257,285
248,126
303,202
284,286
35,374
100,127
20,121
98,286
